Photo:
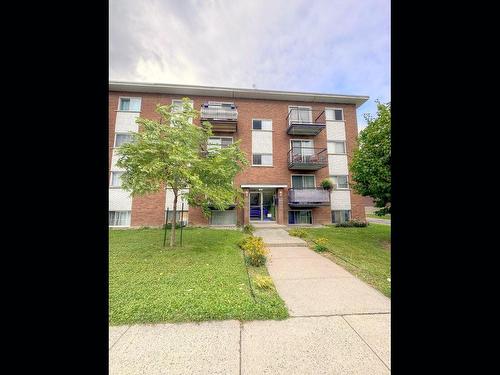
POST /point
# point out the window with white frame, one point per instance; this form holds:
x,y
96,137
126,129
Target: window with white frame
x,y
116,179
333,114
119,218
340,182
177,107
262,125
302,148
300,114
121,138
216,143
262,159
130,104
303,181
341,216
336,147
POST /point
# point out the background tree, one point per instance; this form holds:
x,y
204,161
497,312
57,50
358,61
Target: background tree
x,y
172,152
371,162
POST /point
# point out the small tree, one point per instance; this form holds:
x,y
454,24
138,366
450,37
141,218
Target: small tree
x,y
172,152
371,163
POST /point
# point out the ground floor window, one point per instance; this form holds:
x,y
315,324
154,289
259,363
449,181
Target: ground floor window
x,y
119,218
227,217
341,216
300,217
178,216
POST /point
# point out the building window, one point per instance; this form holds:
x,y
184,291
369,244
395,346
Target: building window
x,y
336,147
227,217
177,107
116,179
262,159
216,143
341,216
178,216
119,218
122,138
262,125
300,217
334,114
130,104
340,182
303,182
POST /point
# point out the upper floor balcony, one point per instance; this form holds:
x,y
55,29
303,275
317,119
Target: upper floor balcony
x,y
312,197
222,116
305,121
307,158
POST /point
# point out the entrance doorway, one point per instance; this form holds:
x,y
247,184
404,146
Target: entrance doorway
x,y
263,205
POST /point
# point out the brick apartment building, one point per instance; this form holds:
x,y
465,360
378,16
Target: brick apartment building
x,y
292,140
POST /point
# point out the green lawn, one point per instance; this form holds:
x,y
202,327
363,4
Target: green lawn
x,y
205,279
365,252
386,217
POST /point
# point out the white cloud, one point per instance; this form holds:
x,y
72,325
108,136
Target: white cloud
x,y
321,46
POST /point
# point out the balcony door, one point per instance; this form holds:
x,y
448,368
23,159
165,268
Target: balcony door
x,y
302,149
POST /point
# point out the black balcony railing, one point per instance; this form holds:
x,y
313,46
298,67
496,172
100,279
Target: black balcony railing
x,y
309,158
312,197
305,121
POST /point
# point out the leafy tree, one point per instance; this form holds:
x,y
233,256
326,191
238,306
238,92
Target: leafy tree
x,y
172,152
371,162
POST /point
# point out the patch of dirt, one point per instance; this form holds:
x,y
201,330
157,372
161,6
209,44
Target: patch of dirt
x,y
386,245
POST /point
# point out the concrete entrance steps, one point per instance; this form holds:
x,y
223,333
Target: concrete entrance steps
x,y
267,225
278,237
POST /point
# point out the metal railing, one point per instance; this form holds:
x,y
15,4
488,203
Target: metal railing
x,y
218,112
308,197
307,155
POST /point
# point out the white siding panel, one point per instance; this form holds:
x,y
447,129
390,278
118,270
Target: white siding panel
x,y
335,130
262,142
119,200
341,200
125,122
169,201
114,159
337,165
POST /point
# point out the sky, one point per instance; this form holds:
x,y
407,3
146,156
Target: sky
x,y
326,46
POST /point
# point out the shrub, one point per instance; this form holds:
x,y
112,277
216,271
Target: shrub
x,y
352,223
248,228
320,244
263,282
327,184
254,250
297,232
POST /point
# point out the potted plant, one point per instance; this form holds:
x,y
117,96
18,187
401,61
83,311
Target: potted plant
x,y
327,184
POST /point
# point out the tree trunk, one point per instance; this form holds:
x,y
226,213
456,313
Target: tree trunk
x,y
174,217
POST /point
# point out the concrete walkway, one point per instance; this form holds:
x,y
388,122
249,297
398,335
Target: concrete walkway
x,y
378,221
338,325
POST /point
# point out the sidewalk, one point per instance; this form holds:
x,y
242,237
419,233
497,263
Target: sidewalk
x,y
378,221
338,325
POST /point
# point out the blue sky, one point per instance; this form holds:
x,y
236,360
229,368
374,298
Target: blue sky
x,y
329,46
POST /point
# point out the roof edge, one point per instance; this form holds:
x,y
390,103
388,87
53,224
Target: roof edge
x,y
235,93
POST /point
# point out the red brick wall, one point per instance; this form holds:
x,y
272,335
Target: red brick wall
x,y
149,210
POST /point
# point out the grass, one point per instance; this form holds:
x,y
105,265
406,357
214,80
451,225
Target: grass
x,y
365,252
387,216
206,279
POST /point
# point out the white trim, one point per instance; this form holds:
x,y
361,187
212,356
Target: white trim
x,y
334,108
262,130
298,107
263,186
234,93
291,179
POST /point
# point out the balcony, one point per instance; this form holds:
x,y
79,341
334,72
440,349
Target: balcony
x,y
222,116
307,158
305,121
313,197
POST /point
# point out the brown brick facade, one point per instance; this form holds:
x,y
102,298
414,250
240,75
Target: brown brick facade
x,y
149,210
